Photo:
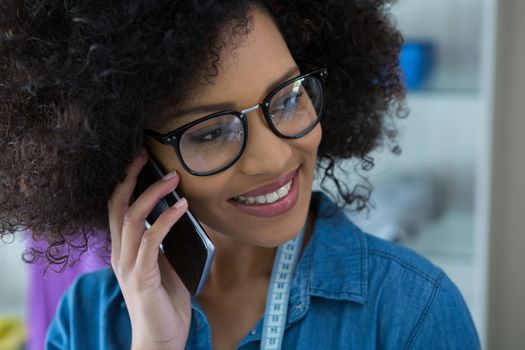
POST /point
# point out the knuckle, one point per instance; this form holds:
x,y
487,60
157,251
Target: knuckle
x,y
129,219
147,238
167,218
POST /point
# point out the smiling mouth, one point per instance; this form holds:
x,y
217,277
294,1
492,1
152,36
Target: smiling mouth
x,y
268,194
266,198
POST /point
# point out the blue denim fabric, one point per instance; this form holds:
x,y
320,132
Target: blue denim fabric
x,y
350,291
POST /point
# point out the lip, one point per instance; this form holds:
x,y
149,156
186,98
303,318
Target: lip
x,y
272,187
276,208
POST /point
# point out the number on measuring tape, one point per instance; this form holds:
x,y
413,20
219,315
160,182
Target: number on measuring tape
x,y
279,293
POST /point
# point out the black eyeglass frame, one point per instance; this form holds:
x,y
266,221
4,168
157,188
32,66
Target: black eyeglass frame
x,y
173,137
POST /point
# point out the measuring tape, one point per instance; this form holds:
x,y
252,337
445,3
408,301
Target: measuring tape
x,y
279,292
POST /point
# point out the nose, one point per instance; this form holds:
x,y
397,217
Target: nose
x,y
265,153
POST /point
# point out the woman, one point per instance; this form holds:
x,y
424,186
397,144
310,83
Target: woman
x,y
88,85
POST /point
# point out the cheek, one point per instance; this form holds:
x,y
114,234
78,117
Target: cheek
x,y
310,142
205,194
201,189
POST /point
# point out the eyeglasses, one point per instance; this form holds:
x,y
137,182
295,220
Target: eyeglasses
x,y
213,143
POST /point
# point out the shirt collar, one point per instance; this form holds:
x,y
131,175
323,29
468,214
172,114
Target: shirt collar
x,y
334,263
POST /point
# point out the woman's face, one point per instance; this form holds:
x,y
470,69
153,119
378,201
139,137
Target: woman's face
x,y
245,77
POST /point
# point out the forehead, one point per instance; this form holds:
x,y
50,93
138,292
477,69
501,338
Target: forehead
x,y
247,71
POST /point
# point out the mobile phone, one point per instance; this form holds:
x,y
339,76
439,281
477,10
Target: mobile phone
x,y
187,246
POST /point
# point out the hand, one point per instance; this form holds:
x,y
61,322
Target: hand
x,y
158,302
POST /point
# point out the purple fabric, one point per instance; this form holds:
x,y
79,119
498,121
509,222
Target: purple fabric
x,y
45,289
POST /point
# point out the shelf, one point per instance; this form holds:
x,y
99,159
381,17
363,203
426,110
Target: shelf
x,y
452,32
461,81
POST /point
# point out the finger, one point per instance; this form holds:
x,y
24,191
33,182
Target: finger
x,y
147,256
133,225
118,202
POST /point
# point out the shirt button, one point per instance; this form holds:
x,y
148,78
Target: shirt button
x,y
298,306
253,332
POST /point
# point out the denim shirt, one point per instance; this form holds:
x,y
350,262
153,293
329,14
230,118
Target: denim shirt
x,y
350,290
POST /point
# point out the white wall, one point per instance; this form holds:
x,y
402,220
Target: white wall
x,y
12,279
507,267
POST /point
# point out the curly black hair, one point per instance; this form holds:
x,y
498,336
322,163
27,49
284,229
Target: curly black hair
x,y
79,81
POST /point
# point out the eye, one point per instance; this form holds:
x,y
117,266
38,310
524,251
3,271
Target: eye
x,y
209,135
216,136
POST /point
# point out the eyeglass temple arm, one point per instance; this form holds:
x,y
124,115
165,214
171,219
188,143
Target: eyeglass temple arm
x,y
155,135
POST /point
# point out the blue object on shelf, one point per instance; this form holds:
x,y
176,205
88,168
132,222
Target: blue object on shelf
x,y
417,62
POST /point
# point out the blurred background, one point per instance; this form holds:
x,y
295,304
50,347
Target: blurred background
x,y
455,194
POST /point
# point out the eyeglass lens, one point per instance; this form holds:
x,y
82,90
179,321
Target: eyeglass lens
x,y
295,108
214,143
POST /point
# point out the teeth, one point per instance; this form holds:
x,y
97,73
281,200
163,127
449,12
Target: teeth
x,y
271,197
267,198
281,192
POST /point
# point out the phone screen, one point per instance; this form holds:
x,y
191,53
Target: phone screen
x,y
187,246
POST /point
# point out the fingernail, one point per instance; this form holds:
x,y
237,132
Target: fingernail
x,y
169,175
180,202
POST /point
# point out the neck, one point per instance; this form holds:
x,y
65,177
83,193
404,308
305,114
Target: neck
x,y
236,263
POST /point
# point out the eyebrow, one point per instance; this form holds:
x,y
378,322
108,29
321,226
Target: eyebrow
x,y
231,105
